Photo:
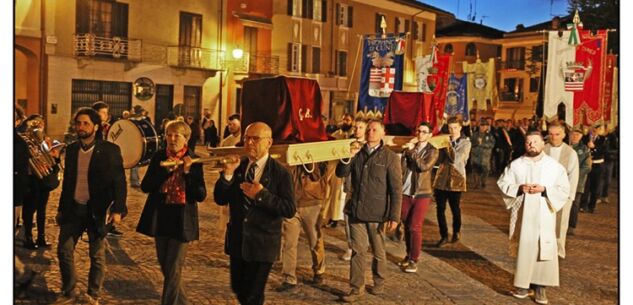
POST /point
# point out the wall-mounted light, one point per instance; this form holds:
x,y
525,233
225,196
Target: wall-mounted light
x,y
237,53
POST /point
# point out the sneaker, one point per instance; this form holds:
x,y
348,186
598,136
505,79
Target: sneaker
x,y
347,256
353,295
404,262
540,296
521,293
115,233
412,267
317,279
287,287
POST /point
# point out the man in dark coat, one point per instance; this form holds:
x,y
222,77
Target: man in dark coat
x,y
259,191
94,184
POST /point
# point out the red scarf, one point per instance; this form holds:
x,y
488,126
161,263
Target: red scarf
x,y
174,186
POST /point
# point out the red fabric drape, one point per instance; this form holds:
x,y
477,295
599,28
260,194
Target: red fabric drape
x,y
588,103
408,109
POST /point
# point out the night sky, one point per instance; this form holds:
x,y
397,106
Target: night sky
x,y
503,14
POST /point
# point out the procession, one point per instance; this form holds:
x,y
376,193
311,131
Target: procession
x,y
270,187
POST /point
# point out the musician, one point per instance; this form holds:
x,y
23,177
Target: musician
x,y
94,183
103,110
38,191
170,214
260,194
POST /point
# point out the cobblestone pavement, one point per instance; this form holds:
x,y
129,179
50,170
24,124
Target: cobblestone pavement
x,y
476,270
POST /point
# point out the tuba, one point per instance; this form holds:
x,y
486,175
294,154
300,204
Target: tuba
x,y
40,161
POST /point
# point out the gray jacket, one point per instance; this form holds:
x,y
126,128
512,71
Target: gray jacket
x,y
376,185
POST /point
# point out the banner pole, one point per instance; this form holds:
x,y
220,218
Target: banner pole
x,y
349,84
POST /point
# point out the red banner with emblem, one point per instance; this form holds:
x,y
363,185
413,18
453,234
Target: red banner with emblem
x,y
589,100
438,81
607,99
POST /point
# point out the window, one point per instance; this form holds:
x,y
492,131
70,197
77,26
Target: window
x,y
400,25
192,101
102,18
345,15
190,39
471,49
537,53
307,9
118,95
294,57
304,58
316,60
448,48
379,17
515,58
512,90
534,84
415,31
294,8
341,63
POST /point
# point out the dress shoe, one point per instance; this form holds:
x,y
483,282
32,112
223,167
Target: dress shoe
x,y
442,242
30,244
377,289
456,237
353,295
42,244
287,287
317,279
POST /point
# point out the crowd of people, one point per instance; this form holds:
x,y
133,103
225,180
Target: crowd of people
x,y
547,173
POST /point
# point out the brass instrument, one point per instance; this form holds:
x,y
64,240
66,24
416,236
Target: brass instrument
x,y
215,160
40,161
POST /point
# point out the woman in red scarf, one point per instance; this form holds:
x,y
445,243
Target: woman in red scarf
x,y
170,214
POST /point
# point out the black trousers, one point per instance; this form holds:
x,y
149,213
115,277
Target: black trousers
x,y
248,280
35,202
593,188
453,200
575,207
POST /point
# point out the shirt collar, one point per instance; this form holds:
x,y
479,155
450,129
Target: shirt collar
x,y
260,162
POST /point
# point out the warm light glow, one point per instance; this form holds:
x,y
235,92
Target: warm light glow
x,y
238,53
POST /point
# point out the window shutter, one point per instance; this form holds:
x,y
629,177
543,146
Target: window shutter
x,y
350,16
289,64
119,19
423,31
337,14
82,17
378,18
289,7
415,30
323,10
310,8
304,58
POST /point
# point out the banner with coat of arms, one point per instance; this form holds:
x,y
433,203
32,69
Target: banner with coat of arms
x,y
432,76
381,71
576,75
481,83
456,97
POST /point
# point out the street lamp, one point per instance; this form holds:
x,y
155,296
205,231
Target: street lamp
x,y
237,53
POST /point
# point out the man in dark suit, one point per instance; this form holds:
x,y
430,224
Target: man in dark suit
x,y
259,191
94,183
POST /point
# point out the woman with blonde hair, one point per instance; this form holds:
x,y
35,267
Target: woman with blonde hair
x,y
170,214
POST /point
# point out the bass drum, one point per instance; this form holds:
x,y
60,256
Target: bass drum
x,y
137,139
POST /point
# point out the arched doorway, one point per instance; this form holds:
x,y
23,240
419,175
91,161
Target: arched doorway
x,y
27,80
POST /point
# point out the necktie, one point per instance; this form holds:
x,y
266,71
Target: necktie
x,y
250,177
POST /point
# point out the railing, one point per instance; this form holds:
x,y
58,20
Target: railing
x,y
191,57
512,65
257,64
91,45
511,96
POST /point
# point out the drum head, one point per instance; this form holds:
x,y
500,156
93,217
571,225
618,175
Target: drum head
x,y
129,138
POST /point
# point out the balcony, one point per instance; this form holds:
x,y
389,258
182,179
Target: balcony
x,y
90,45
261,63
512,65
195,58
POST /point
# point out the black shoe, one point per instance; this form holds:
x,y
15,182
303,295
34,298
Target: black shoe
x,y
287,287
442,242
42,244
115,233
332,224
30,244
317,279
456,237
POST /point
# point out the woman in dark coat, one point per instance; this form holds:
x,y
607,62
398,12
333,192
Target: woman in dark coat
x,y
170,214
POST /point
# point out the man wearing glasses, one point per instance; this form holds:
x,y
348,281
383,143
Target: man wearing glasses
x,y
260,194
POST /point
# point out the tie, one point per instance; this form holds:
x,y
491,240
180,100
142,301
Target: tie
x,y
250,177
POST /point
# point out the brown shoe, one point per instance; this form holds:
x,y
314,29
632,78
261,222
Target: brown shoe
x,y
353,295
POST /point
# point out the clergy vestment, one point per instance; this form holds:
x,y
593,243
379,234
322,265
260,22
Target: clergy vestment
x,y
568,158
533,219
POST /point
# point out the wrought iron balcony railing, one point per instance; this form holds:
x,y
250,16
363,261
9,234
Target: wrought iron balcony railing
x,y
90,45
192,57
257,64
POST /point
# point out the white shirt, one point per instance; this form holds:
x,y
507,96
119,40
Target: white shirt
x,y
554,152
261,164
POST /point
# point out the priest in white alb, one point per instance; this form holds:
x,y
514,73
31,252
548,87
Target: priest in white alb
x,y
534,187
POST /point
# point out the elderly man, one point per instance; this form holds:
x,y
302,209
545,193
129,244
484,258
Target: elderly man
x,y
567,157
235,131
374,207
534,187
584,167
259,191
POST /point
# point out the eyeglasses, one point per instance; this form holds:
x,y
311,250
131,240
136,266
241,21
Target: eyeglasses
x,y
255,139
